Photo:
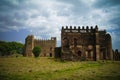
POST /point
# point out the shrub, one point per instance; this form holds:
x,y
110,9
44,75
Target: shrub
x,y
36,51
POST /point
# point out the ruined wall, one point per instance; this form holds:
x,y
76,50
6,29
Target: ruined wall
x,y
29,45
47,46
88,43
116,55
76,43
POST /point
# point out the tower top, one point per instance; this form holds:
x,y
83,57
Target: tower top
x,y
78,27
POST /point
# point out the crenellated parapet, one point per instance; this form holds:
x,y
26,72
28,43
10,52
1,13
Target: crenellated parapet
x,y
47,45
44,40
85,41
80,29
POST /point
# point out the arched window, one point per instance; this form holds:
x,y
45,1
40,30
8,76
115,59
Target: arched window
x,y
79,53
75,42
66,42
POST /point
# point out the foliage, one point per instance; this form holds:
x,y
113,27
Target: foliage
x,y
36,51
9,48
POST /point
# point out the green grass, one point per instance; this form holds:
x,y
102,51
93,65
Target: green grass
x,y
44,68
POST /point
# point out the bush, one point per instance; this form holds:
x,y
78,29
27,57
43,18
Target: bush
x,y
36,51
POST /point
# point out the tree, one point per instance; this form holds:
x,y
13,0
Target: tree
x,y
9,48
36,51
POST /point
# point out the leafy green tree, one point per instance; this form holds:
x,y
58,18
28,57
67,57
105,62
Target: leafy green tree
x,y
13,52
18,47
36,51
4,48
8,48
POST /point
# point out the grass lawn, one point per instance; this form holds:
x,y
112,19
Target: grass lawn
x,y
44,68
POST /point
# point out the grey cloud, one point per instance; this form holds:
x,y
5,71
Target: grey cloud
x,y
47,18
10,20
8,5
79,8
106,3
11,14
115,21
21,15
111,9
115,39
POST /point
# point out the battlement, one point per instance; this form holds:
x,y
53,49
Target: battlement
x,y
43,40
76,42
82,29
32,37
47,45
85,41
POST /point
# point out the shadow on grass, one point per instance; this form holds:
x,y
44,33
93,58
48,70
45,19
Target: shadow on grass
x,y
14,77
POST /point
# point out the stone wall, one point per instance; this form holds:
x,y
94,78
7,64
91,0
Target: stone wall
x,y
116,55
47,46
88,43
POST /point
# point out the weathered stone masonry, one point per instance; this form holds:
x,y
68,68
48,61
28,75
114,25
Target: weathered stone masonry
x,y
88,43
47,46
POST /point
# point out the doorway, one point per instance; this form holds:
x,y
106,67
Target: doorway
x,y
79,53
50,54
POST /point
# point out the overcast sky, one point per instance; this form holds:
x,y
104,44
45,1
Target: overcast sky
x,y
44,18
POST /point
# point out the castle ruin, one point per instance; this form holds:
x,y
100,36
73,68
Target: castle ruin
x,y
47,46
77,43
87,43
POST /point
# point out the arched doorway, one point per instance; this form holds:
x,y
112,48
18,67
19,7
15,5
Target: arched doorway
x,y
50,54
79,53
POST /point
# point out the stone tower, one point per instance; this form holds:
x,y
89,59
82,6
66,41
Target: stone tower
x,y
29,45
47,46
88,43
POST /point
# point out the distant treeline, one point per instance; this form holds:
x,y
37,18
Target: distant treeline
x,y
9,48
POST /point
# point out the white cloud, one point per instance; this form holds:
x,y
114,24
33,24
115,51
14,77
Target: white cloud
x,y
59,13
44,18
